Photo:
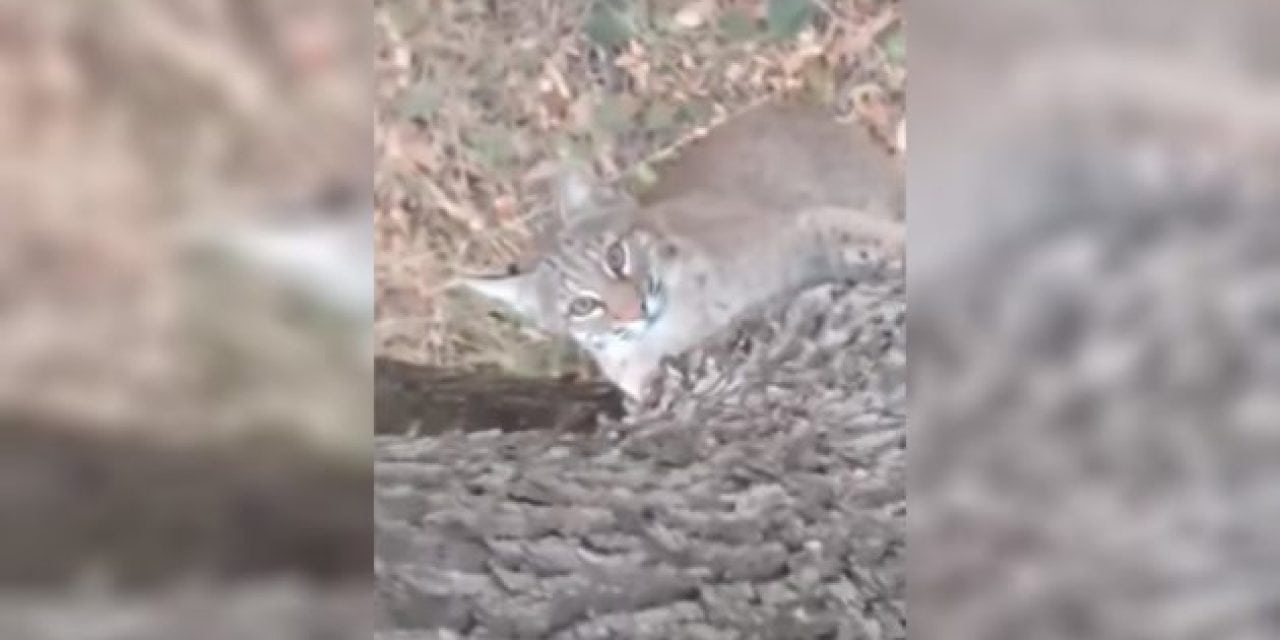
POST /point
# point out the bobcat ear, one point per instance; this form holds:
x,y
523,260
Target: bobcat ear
x,y
518,291
580,195
575,190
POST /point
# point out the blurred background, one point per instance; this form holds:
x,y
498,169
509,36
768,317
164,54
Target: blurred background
x,y
185,315
1095,320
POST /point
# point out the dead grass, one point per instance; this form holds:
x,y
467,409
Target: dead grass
x,y
477,101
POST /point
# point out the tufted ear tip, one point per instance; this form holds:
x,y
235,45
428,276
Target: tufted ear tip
x,y
575,187
581,195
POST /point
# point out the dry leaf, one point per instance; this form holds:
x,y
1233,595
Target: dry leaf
x,y
871,104
504,206
693,15
451,207
557,80
734,72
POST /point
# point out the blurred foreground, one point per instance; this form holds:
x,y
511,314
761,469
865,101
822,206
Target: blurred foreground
x,y
177,405
1095,338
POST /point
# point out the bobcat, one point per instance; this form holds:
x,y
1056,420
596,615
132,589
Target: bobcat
x,y
770,202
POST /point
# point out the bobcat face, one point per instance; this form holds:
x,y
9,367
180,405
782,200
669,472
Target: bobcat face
x,y
605,288
601,282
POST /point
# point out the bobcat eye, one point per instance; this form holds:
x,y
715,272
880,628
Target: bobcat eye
x,y
615,259
583,306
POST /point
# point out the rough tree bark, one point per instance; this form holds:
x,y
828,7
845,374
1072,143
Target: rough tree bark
x,y
761,495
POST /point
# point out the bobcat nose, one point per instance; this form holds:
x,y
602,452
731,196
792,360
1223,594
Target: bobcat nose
x,y
627,307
